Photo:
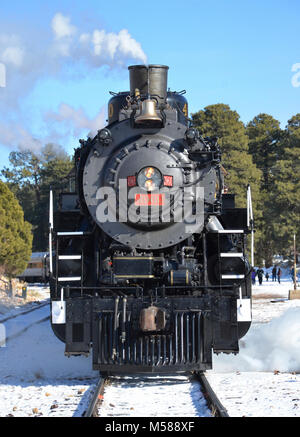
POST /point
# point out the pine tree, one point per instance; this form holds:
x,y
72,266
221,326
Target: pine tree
x,y
265,138
221,122
15,234
225,124
285,196
30,176
265,146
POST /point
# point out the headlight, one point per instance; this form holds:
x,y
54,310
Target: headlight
x,y
104,136
149,178
191,135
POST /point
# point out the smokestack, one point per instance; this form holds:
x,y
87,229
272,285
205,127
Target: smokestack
x,y
151,81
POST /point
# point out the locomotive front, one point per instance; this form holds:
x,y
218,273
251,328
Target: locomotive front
x,y
149,268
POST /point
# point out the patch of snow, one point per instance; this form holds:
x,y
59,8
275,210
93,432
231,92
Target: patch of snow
x,y
10,306
258,394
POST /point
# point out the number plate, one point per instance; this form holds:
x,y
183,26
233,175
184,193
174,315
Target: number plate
x,y
149,199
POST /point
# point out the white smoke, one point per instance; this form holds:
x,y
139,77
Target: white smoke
x,y
77,119
267,347
13,56
96,48
30,58
16,135
61,26
11,51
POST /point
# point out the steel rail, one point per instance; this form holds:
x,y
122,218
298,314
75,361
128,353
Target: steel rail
x,y
96,399
217,408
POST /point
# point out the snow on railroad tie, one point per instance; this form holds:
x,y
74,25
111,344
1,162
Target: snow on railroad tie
x,y
156,396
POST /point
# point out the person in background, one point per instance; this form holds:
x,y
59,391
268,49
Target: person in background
x,y
274,274
279,274
267,276
253,274
292,273
260,274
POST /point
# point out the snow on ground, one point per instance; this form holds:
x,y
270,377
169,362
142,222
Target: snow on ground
x,y
263,380
16,312
9,306
47,398
166,396
273,341
39,354
15,326
41,291
36,379
258,394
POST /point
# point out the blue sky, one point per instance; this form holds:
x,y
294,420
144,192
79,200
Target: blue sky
x,y
236,52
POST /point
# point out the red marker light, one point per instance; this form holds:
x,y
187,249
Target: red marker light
x,y
168,181
131,181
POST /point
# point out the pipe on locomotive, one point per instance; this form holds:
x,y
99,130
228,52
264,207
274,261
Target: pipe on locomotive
x,y
148,85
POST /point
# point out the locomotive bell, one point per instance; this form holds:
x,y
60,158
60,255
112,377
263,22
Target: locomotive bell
x,y
148,114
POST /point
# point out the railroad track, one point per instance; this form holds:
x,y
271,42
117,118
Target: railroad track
x,y
22,313
214,404
17,334
27,326
95,402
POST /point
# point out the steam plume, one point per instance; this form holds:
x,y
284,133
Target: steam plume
x,y
31,58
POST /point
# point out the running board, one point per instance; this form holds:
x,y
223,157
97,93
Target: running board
x,y
230,231
69,278
69,257
232,255
233,276
72,234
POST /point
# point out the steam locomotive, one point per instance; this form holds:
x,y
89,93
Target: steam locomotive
x,y
148,254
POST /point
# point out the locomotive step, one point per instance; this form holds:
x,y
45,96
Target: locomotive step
x,y
69,257
230,231
233,276
72,234
231,255
69,278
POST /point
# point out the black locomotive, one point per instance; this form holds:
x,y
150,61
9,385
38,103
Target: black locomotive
x,y
148,263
